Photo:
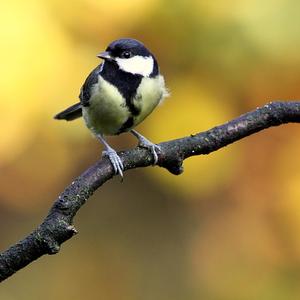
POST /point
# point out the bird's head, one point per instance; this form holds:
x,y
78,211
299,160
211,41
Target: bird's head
x,y
131,56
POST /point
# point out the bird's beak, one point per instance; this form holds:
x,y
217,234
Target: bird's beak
x,y
105,55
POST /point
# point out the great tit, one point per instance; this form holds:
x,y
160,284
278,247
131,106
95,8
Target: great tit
x,y
119,94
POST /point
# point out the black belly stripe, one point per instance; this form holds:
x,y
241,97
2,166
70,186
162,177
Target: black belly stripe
x,y
128,124
133,109
126,83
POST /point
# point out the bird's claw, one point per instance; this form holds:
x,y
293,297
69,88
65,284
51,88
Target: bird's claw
x,y
115,161
145,143
152,147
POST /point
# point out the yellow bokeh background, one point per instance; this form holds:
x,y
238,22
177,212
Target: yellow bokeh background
x,y
227,228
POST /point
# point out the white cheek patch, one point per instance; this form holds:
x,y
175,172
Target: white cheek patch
x,y
142,65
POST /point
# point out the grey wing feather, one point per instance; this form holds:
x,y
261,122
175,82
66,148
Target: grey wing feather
x,y
75,111
71,113
85,92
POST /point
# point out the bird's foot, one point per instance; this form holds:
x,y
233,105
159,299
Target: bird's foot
x,y
115,160
143,142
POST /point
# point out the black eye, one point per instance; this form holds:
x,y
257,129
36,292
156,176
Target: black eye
x,y
126,54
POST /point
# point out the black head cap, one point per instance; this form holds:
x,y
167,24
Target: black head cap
x,y
126,48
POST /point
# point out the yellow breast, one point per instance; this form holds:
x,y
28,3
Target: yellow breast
x,y
149,94
107,111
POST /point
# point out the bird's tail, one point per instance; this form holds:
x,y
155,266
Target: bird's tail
x,y
71,113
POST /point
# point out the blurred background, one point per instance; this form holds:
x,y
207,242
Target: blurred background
x,y
228,228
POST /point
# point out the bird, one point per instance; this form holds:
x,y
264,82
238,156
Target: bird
x,y
118,95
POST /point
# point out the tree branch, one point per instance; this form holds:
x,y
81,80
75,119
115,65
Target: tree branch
x,y
58,227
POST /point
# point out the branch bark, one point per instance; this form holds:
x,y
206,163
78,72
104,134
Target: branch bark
x,y
58,227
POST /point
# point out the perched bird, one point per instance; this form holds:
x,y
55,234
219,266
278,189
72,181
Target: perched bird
x,y
119,94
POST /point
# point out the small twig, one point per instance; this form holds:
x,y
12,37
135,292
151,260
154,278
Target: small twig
x,y
58,225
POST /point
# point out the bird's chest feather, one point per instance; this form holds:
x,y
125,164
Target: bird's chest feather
x,y
148,95
108,111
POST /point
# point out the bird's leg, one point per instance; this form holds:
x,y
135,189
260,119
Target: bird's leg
x,y
143,142
112,155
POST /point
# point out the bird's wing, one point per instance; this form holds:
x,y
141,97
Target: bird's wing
x,y
71,113
85,92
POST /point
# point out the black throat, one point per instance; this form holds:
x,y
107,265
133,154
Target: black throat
x,y
126,83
